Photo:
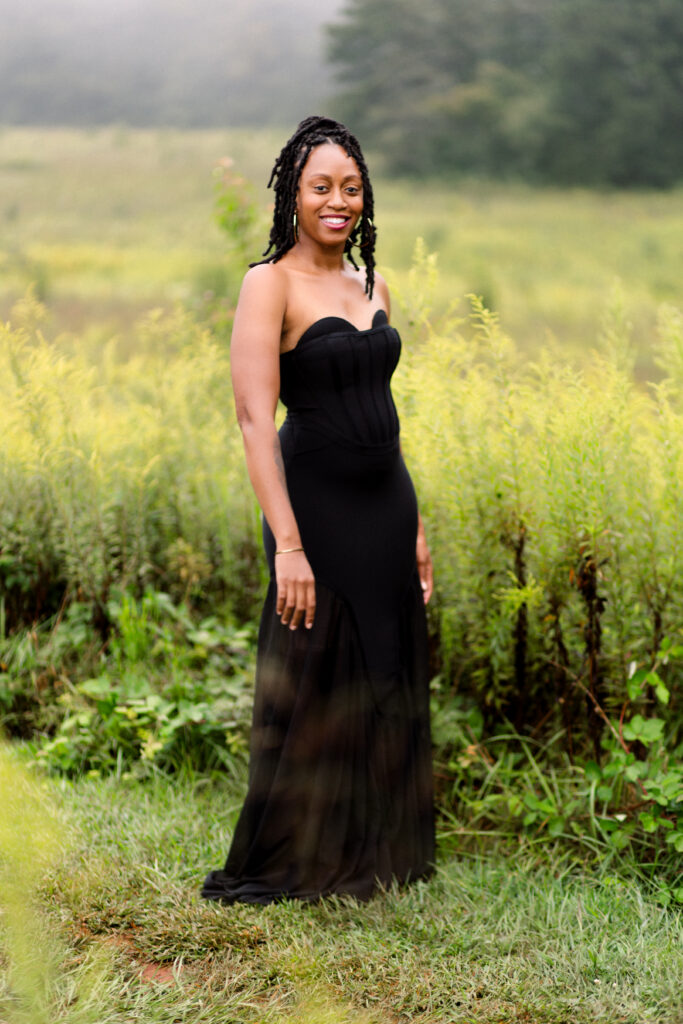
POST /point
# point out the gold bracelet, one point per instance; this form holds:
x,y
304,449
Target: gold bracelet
x,y
287,551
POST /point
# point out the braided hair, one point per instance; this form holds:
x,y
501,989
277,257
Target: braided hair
x,y
312,132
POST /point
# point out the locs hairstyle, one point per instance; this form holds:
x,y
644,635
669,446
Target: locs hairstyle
x,y
312,132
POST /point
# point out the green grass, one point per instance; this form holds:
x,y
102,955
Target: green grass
x,y
497,937
110,222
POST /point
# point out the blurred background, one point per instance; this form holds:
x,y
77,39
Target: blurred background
x,y
535,145
208,63
577,91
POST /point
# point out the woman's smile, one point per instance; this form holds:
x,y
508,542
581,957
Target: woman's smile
x,y
335,222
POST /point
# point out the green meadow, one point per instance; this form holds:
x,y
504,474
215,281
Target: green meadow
x,y
111,221
541,400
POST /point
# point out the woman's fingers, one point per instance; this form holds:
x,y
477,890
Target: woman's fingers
x,y
289,605
310,604
425,571
427,578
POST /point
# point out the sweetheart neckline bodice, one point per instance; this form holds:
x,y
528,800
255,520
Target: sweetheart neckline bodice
x,y
341,320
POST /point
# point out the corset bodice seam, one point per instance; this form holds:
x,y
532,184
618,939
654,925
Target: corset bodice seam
x,y
353,333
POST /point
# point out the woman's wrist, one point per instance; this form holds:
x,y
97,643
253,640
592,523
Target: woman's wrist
x,y
287,540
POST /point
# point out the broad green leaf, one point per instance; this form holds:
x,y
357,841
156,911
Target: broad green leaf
x,y
652,730
662,693
633,730
634,686
648,821
619,839
636,770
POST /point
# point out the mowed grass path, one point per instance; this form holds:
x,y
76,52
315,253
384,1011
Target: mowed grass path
x,y
112,221
492,938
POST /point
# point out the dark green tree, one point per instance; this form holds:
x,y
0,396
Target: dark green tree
x,y
617,93
584,91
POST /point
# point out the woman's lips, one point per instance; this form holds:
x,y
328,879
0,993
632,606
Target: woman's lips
x,y
336,223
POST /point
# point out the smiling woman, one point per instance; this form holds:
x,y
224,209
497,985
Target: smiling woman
x,y
340,788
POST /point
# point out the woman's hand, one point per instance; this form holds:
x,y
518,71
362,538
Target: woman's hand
x,y
424,563
295,589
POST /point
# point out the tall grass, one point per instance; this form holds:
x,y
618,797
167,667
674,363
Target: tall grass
x,y
553,499
552,496
121,473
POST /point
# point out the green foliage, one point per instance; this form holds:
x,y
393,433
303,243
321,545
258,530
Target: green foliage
x,y
166,692
29,840
628,803
237,214
581,91
553,504
125,474
244,227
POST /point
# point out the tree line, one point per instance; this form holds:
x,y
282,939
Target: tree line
x,y
565,91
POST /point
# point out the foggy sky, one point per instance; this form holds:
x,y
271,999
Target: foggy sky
x,y
205,62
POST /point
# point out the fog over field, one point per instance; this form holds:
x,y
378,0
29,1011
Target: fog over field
x,y
156,62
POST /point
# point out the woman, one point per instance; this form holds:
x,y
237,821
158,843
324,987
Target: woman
x,y
340,797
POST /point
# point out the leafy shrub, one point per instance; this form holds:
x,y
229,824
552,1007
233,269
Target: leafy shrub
x,y
631,799
167,692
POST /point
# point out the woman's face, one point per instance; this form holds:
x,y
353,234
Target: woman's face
x,y
330,195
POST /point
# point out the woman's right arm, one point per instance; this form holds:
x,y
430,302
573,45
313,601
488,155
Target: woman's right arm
x,y
255,366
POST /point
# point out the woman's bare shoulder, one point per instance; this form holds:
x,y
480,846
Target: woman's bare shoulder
x,y
265,284
265,275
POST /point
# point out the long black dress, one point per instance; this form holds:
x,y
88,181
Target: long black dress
x,y
340,783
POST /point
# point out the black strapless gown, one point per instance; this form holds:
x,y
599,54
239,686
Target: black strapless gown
x,y
340,780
